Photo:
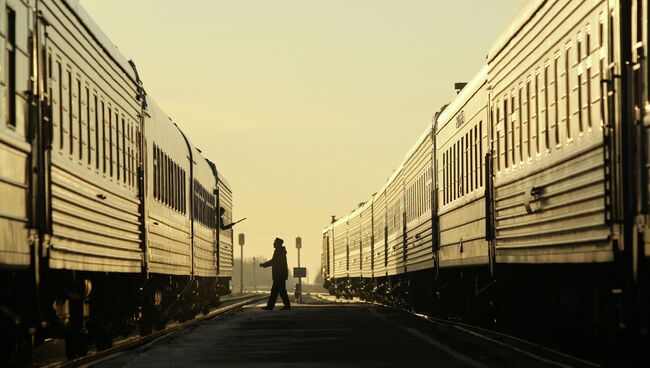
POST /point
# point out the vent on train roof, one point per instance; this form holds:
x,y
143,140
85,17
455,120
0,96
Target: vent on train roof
x,y
458,86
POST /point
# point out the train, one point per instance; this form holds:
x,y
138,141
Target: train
x,y
524,203
111,220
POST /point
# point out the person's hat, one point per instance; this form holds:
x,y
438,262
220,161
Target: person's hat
x,y
278,241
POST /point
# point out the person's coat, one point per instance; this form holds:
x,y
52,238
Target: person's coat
x,y
280,269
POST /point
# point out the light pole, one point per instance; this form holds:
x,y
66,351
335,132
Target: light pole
x,y
298,246
254,263
242,240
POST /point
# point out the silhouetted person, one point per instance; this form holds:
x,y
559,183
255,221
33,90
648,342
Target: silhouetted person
x,y
280,275
221,224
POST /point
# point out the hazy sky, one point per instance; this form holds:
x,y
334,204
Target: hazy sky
x,y
306,106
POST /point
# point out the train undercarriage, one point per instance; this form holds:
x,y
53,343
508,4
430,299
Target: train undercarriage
x,y
583,309
92,309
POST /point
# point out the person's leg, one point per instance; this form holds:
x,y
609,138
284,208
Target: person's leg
x,y
273,296
282,288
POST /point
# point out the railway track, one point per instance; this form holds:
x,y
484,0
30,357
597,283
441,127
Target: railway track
x,y
132,342
534,351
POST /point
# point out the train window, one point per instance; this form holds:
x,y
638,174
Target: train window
x,y
547,139
131,161
567,91
164,183
466,181
480,154
105,136
444,178
70,116
80,121
110,142
461,168
10,76
521,124
528,122
96,132
124,150
60,103
470,161
536,98
588,76
177,195
556,100
579,79
118,147
89,140
506,131
498,156
476,143
155,171
513,118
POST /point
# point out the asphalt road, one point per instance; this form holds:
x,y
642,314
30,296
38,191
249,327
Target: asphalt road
x,y
319,333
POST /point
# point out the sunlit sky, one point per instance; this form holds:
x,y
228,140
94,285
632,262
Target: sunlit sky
x,y
306,106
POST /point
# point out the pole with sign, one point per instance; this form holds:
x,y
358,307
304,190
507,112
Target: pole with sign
x,y
242,240
299,291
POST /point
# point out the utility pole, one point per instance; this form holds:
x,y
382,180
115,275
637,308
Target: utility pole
x,y
254,264
298,246
242,240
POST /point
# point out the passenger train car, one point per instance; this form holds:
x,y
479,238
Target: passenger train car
x,y
108,212
525,201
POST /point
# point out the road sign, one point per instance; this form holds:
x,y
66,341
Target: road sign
x,y
299,272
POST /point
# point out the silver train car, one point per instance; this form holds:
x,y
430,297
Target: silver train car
x,y
109,216
525,201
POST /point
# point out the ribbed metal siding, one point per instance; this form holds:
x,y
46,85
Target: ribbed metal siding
x,y
226,236
417,179
89,232
552,207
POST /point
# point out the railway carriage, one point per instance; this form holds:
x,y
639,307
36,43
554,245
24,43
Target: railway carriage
x,y
107,211
540,194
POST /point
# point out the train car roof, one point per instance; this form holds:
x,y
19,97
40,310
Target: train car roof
x,y
526,12
223,180
461,99
101,37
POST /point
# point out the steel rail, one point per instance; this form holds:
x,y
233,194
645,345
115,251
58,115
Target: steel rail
x,y
529,349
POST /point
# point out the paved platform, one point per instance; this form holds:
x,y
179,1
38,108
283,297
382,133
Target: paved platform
x,y
318,333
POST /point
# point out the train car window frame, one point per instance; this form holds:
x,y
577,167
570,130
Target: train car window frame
x,y
88,126
547,126
528,122
506,146
118,146
556,99
62,130
96,131
70,113
567,91
513,133
588,67
498,138
520,117
537,114
79,120
124,165
579,71
10,73
480,155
